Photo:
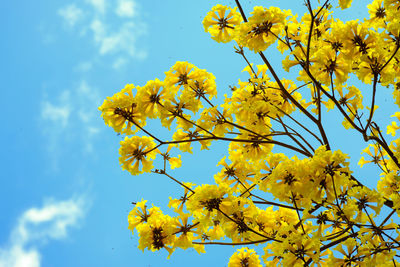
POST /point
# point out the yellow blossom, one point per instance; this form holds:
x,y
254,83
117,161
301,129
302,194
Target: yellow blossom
x,y
244,257
220,22
345,3
262,28
121,113
136,151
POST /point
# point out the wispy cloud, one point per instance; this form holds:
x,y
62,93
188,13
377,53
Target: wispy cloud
x,y
72,116
121,41
71,14
99,5
84,66
115,33
37,226
126,8
57,113
119,63
87,114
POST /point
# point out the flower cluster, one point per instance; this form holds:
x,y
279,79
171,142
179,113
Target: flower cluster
x,y
307,207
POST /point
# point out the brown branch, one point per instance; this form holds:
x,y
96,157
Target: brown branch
x,y
234,243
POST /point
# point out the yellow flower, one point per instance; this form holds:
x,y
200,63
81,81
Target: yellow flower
x,y
180,74
300,249
366,198
327,64
322,24
352,99
305,205
233,175
177,204
157,233
151,96
196,83
211,118
285,178
345,3
201,85
377,14
377,156
185,232
242,213
221,24
389,184
392,8
372,64
262,28
174,162
135,151
216,232
287,63
349,254
188,137
140,214
256,149
334,36
120,111
357,39
391,129
206,200
244,257
175,110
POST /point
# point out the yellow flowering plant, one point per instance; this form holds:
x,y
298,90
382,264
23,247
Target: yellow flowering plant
x,y
309,209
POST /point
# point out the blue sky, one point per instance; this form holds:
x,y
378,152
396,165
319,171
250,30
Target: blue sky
x,y
63,197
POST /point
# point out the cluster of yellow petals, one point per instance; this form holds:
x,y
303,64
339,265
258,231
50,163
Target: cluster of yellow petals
x,y
160,231
121,112
323,214
136,151
244,257
127,111
220,22
262,28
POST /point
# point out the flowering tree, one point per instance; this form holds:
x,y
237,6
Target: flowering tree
x,y
320,214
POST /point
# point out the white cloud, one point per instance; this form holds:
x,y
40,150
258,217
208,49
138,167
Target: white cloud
x,y
71,14
57,114
116,33
87,114
93,131
87,106
18,256
121,41
88,95
119,62
126,8
37,226
73,115
99,5
84,66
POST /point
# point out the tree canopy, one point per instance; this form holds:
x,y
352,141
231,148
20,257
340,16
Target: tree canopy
x,y
306,210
